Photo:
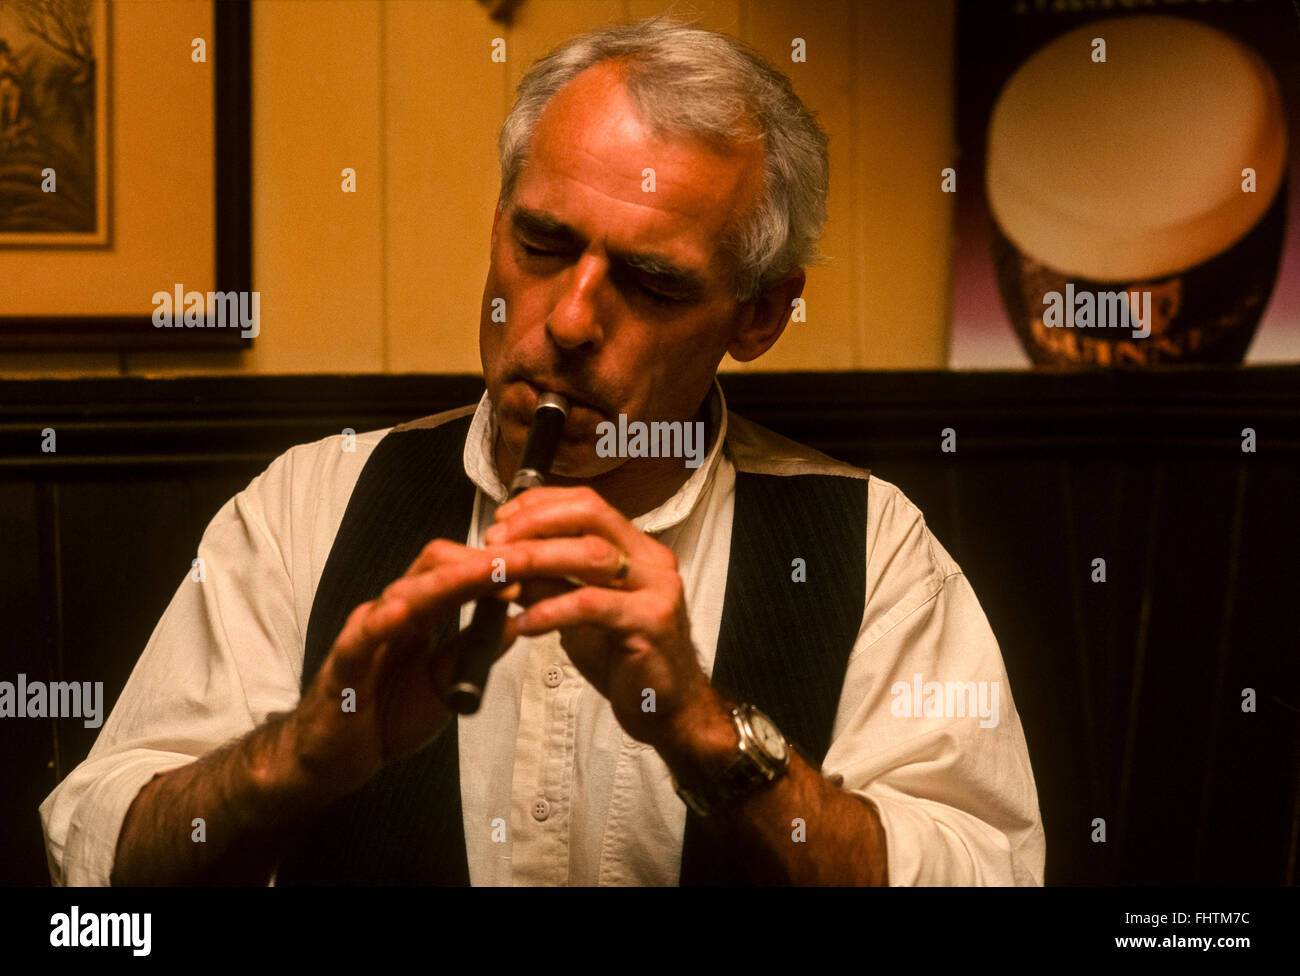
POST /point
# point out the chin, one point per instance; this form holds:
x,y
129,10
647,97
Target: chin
x,y
512,418
580,463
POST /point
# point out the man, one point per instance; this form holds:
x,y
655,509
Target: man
x,y
811,593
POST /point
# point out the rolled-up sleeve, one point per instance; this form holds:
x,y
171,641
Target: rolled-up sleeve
x,y
226,654
926,727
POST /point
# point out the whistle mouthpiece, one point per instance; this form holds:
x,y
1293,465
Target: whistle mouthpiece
x,y
543,441
555,400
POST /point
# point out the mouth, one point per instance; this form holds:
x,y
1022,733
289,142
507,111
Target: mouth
x,y
576,403
519,396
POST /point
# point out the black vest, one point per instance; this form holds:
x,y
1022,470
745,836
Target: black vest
x,y
783,646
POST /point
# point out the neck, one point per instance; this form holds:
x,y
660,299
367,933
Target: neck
x,y
635,487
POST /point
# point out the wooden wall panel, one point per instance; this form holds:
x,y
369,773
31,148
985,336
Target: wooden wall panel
x,y
832,291
29,608
1250,825
444,101
904,95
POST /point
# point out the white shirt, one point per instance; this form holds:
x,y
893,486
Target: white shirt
x,y
553,791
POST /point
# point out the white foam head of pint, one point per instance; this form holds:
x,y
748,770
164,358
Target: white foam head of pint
x,y
1132,168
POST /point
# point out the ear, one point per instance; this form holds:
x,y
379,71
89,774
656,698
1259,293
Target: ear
x,y
766,318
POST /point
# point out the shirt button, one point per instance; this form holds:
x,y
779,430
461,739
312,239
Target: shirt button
x,y
553,676
541,808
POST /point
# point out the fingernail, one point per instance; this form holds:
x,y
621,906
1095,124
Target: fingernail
x,y
494,534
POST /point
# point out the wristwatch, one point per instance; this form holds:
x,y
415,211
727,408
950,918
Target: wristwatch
x,y
763,756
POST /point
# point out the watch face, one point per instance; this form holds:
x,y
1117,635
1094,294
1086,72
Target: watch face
x,y
768,735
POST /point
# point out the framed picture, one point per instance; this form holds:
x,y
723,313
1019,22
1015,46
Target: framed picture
x,y
53,124
124,175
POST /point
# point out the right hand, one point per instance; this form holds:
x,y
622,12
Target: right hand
x,y
381,655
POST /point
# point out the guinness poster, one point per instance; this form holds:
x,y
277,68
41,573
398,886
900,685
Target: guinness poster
x,y
1127,184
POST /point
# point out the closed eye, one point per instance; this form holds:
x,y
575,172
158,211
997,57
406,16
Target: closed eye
x,y
653,294
660,297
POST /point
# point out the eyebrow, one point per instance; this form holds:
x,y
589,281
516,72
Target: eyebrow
x,y
538,223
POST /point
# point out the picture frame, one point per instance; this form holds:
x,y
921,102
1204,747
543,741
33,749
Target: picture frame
x,y
100,328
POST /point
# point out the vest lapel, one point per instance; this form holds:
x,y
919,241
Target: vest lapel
x,y
784,645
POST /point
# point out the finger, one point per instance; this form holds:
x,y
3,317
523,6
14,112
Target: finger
x,y
534,591
575,511
585,606
495,573
580,560
368,626
410,608
461,574
468,574
544,497
435,553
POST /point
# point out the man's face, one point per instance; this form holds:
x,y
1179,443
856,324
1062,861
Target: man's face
x,y
616,296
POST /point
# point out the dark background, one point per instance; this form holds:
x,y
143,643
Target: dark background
x,y
1129,690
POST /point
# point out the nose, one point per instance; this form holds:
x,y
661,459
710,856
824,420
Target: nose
x,y
575,319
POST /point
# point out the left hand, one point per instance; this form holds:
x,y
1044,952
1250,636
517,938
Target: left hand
x,y
626,638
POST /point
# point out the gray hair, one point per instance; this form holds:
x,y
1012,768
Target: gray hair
x,y
687,80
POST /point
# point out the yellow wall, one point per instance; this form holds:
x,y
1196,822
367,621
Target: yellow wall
x,y
388,279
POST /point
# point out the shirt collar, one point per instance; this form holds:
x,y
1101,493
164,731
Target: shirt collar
x,y
481,469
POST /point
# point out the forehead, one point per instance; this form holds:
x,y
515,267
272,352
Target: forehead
x,y
587,166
